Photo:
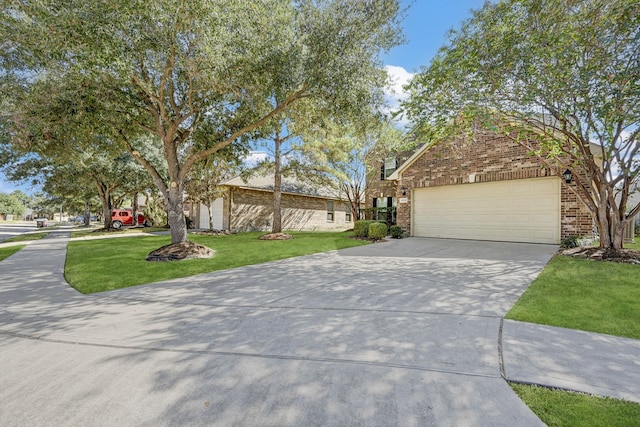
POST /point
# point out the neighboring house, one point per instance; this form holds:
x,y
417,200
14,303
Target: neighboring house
x,y
489,189
634,199
248,206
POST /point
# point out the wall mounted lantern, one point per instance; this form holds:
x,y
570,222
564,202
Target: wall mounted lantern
x,y
403,190
568,176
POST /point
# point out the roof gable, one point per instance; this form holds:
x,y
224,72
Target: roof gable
x,y
398,172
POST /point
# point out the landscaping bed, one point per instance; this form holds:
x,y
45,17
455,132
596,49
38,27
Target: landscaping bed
x,y
629,256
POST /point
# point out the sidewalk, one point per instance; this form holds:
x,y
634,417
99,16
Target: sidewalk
x,y
587,362
320,340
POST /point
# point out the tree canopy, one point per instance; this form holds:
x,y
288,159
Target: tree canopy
x,y
559,76
169,67
10,204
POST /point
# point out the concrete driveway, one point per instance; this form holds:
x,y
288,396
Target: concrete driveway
x,y
400,333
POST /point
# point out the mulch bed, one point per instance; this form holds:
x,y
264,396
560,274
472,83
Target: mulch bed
x,y
180,251
628,256
276,236
214,233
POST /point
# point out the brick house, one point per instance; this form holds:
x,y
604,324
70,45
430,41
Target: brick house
x,y
381,200
248,206
488,189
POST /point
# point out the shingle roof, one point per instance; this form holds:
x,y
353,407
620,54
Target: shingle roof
x,y
289,185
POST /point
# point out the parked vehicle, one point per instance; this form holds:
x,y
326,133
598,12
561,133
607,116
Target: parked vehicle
x,y
120,217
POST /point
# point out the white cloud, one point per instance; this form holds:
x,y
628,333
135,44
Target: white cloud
x,y
255,157
398,77
394,92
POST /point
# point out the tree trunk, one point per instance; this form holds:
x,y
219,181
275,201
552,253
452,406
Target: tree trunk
x,y
107,204
276,227
175,214
135,209
87,213
106,212
610,229
210,210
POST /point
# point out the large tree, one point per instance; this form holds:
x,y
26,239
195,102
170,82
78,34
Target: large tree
x,y
10,204
560,77
346,155
169,66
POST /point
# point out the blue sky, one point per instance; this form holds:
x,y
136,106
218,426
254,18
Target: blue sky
x,y
425,27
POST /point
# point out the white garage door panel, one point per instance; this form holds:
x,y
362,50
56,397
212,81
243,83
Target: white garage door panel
x,y
525,210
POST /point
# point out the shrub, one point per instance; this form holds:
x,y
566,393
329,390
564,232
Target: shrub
x,y
361,228
570,242
396,231
377,230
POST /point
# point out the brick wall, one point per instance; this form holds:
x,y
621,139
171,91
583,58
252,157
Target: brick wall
x,y
252,210
377,187
488,158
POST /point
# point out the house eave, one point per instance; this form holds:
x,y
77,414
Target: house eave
x,y
397,174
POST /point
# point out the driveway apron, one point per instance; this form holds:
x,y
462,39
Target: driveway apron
x,y
399,333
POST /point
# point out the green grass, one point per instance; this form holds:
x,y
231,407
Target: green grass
x,y
7,251
25,237
582,294
561,408
106,264
635,245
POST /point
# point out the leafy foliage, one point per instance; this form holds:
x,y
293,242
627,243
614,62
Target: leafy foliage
x,y
396,231
570,242
11,205
169,67
377,230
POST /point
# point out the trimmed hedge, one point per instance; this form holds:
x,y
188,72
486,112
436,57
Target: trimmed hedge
x,y
361,228
396,231
377,230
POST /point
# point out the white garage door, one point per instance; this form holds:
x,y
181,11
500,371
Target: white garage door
x,y
526,210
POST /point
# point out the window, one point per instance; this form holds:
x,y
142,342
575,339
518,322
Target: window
x,y
384,202
347,212
330,211
384,209
389,166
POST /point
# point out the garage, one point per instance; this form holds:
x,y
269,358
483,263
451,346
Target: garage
x,y
522,210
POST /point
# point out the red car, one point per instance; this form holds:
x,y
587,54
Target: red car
x,y
120,217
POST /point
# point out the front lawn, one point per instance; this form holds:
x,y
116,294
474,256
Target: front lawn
x,y
558,408
635,245
582,294
7,251
106,264
26,237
